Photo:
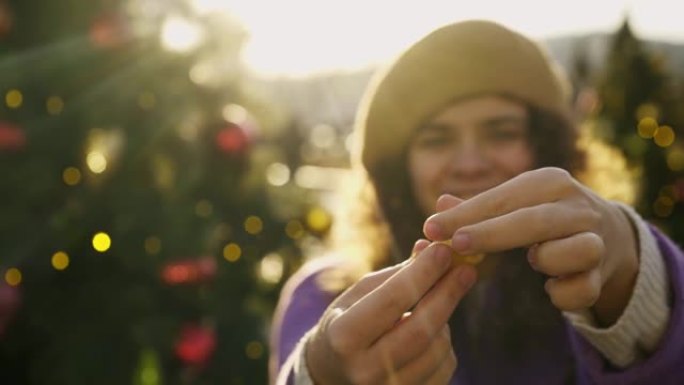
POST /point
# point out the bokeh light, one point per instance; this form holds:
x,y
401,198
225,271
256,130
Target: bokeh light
x,y
13,276
54,105
147,100
180,35
323,136
71,176
235,113
60,260
204,208
318,219
664,136
271,268
647,127
254,350
278,174
232,252
675,159
663,206
152,245
14,98
102,242
253,225
96,162
294,229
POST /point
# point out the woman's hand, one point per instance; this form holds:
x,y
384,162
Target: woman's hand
x,y
368,336
583,242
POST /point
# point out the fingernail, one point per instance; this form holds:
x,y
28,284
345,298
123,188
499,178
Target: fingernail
x,y
466,277
532,257
433,230
461,242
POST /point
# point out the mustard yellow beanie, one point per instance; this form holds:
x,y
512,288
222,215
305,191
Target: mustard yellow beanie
x,y
455,61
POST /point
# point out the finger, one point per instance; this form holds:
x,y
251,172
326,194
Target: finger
x,y
379,310
575,292
415,334
420,245
447,201
366,284
423,367
574,254
523,227
444,372
527,189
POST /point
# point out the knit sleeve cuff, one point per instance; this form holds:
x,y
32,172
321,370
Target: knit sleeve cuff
x,y
639,329
301,371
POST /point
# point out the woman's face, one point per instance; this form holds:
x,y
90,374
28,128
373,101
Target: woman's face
x,y
469,147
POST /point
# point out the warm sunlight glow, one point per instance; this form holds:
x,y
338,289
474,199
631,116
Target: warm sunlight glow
x,y
180,35
302,37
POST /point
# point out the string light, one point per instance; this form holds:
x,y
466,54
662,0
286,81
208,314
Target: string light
x,y
253,225
13,276
71,176
232,252
277,174
54,105
675,160
102,242
14,98
664,136
152,245
294,229
60,260
318,219
271,268
96,162
254,350
647,127
204,208
663,206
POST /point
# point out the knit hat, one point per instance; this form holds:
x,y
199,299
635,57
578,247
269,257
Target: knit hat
x,y
455,61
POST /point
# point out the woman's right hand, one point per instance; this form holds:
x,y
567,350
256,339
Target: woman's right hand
x,y
368,335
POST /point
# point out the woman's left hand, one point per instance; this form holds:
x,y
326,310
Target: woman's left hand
x,y
584,243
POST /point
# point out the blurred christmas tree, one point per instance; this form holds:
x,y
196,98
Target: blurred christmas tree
x,y
137,242
641,111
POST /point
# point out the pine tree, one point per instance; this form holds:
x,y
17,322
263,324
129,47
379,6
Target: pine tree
x,y
136,246
641,112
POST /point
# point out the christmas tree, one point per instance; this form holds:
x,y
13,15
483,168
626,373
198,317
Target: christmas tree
x,y
641,111
138,244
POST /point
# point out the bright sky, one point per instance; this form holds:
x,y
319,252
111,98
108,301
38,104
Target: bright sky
x,y
301,37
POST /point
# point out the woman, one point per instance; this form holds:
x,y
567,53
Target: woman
x,y
467,137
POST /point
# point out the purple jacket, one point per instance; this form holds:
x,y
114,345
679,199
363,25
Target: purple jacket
x,y
302,303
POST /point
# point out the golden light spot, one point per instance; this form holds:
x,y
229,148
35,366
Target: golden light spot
x,y
663,206
647,110
253,225
14,99
675,159
54,105
254,350
204,208
96,162
271,268
13,276
669,191
147,100
232,252
664,136
277,174
294,229
71,176
647,127
235,113
318,219
101,242
152,245
60,260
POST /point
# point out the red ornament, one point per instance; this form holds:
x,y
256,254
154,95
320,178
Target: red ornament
x,y
109,31
232,139
11,137
9,302
6,19
196,344
189,271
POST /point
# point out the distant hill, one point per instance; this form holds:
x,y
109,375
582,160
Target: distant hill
x,y
333,99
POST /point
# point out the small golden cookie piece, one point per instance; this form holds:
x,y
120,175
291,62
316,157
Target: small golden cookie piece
x,y
473,259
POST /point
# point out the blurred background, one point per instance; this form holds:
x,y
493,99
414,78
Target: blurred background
x,y
165,165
